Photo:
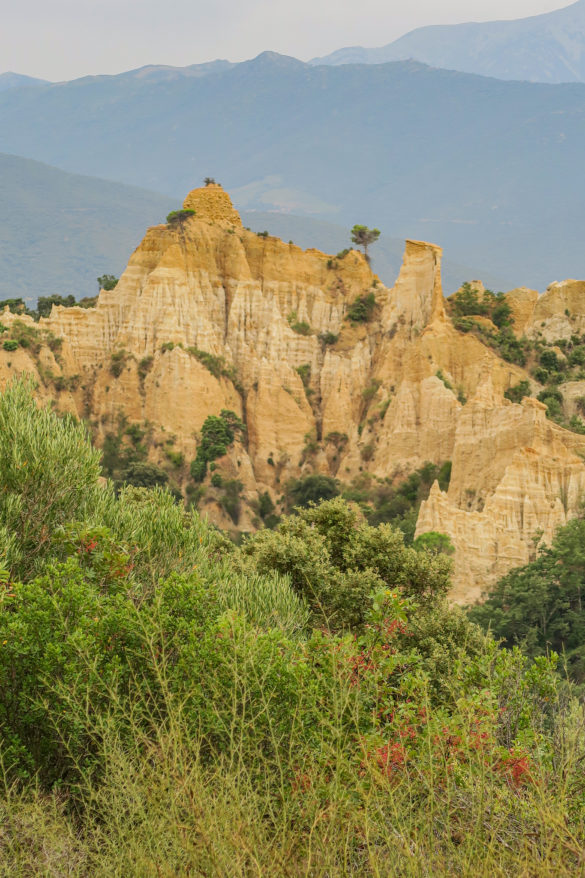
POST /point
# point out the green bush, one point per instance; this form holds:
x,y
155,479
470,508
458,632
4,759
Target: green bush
x,y
144,475
436,543
540,606
311,489
118,362
48,475
517,392
362,309
179,217
10,344
108,281
301,328
217,434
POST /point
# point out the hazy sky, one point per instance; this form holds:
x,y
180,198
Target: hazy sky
x,y
62,39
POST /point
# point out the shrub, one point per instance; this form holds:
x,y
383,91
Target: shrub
x,y
434,542
301,328
144,475
15,306
230,501
304,372
117,363
179,217
539,606
10,344
517,392
362,309
48,474
108,281
217,434
328,338
311,489
549,360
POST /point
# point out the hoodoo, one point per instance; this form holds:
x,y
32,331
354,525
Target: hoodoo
x,y
328,371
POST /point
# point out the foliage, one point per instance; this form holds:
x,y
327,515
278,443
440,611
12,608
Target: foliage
x,y
214,364
209,181
217,434
328,338
45,303
308,703
398,502
468,302
10,344
117,363
542,606
436,543
142,474
48,473
517,392
335,560
364,237
304,373
179,217
311,489
230,500
108,281
362,309
15,305
302,328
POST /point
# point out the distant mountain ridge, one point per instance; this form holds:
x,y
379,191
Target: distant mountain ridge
x,y
542,48
60,231
491,170
18,80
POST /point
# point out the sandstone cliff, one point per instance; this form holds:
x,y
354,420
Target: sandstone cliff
x,y
209,316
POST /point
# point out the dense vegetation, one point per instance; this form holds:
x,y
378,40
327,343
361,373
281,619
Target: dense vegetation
x,y
306,703
550,364
541,607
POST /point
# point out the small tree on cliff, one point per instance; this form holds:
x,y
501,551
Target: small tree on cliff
x,y
107,281
362,236
209,181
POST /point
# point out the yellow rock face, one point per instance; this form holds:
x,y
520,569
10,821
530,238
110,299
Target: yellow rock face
x,y
208,316
213,205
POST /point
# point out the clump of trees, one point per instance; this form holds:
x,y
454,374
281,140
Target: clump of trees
x,y
541,606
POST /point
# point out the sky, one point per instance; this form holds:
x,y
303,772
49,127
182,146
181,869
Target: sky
x,y
65,39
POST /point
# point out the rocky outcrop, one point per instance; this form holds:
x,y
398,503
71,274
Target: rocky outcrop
x,y
558,314
516,478
209,316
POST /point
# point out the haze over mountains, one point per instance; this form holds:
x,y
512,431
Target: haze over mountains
x,y
490,170
60,231
542,48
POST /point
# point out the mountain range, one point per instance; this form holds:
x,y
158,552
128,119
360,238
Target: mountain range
x,y
542,48
491,170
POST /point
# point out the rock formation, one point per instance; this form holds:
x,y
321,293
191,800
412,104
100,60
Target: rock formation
x,y
209,316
